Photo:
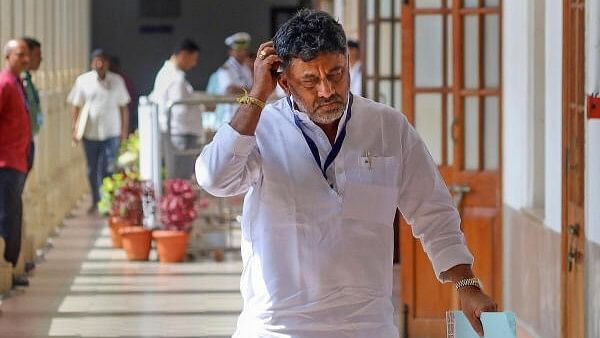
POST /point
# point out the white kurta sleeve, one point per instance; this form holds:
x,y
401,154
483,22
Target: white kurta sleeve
x,y
230,164
76,96
123,97
428,207
175,92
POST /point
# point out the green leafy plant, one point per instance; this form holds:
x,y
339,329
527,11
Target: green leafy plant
x,y
109,187
129,152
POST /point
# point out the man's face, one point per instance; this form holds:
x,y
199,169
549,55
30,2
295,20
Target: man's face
x,y
320,86
100,65
187,60
240,54
35,58
18,58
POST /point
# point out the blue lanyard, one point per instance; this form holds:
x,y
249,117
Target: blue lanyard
x,y
337,146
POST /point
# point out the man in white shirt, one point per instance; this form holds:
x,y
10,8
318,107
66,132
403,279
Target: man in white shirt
x,y
234,75
107,122
324,171
355,67
186,120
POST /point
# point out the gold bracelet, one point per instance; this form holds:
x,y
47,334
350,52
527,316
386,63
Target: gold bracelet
x,y
247,99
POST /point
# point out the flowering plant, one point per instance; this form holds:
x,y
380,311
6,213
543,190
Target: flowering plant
x,y
127,201
177,206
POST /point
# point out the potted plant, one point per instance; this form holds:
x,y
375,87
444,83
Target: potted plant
x,y
125,208
109,186
137,242
127,203
177,208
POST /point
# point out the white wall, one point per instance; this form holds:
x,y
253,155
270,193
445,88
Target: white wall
x,y
593,125
516,102
519,102
553,114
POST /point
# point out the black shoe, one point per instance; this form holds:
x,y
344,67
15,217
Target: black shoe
x,y
20,281
29,266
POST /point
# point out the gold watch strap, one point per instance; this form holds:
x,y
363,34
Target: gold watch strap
x,y
468,282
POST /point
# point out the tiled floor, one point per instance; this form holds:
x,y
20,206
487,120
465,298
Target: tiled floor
x,y
85,288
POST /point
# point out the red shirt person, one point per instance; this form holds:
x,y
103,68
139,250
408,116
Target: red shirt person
x,y
15,127
15,140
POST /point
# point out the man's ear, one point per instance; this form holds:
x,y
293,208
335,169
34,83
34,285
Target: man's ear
x,y
283,83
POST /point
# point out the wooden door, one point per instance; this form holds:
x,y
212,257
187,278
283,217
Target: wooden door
x,y
573,237
451,93
380,33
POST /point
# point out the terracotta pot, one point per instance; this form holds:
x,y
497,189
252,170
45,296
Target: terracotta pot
x,y
218,255
171,245
114,224
136,242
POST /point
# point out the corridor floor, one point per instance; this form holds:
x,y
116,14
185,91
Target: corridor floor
x,y
86,288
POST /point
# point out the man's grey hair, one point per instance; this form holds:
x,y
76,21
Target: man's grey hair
x,y
9,47
307,35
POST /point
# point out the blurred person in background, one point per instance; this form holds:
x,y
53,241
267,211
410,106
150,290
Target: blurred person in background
x,y
355,67
15,148
104,95
114,65
233,76
33,104
186,127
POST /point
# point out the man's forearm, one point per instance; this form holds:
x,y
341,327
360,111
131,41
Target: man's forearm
x,y
457,273
74,116
124,120
246,118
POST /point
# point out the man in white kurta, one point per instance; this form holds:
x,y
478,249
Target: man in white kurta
x,y
321,195
184,125
107,98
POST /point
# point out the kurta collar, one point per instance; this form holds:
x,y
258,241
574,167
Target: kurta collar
x,y
308,123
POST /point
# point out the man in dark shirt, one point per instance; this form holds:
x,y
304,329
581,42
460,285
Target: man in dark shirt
x,y
33,104
31,92
15,142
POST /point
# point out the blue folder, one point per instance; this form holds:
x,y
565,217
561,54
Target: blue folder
x,y
495,325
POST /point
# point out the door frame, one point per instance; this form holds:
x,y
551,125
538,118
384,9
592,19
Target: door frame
x,y
573,174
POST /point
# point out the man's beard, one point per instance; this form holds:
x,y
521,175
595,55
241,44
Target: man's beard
x,y
323,116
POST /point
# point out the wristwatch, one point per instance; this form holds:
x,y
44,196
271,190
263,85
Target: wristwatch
x,y
468,282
